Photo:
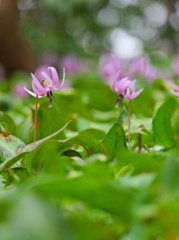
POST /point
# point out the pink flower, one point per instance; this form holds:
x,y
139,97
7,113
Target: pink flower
x,y
175,87
139,66
175,65
45,84
125,88
71,64
18,91
49,58
109,67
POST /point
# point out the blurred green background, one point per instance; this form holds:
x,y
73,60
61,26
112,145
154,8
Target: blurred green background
x,y
79,180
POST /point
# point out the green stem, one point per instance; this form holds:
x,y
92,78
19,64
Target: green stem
x,y
129,125
139,142
35,118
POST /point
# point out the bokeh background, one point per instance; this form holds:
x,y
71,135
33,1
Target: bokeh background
x,y
45,31
83,183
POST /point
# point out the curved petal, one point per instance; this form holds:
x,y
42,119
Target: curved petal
x,y
132,86
63,81
123,84
49,80
115,81
175,93
36,91
134,95
54,76
37,84
31,93
173,85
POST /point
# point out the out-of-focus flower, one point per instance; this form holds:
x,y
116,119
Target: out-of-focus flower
x,y
45,84
109,67
137,149
175,87
175,65
18,90
49,59
40,69
139,66
71,64
125,88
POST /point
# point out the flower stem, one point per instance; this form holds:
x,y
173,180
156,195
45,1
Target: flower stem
x,y
129,125
35,118
139,142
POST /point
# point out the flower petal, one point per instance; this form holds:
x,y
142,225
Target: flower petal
x,y
175,93
54,76
132,86
31,93
134,95
115,81
63,81
49,80
176,87
36,91
37,84
122,85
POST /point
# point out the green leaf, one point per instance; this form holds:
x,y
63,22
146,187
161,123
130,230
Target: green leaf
x,y
163,132
9,145
7,122
94,191
114,141
92,132
89,144
27,149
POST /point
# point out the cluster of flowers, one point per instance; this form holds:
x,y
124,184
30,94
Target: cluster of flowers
x,y
111,69
110,64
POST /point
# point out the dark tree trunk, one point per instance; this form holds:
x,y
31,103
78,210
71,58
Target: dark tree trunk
x,y
15,53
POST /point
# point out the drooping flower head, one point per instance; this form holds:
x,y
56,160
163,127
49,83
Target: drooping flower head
x,y
45,84
125,87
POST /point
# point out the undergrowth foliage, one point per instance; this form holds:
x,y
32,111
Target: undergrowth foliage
x,y
79,180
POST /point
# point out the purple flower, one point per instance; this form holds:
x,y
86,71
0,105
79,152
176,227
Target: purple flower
x,y
18,91
49,58
139,66
125,88
71,64
175,87
109,67
45,84
175,65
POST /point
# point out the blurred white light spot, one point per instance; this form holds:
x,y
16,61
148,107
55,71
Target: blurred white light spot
x,y
123,3
108,16
124,45
140,29
174,21
25,5
156,13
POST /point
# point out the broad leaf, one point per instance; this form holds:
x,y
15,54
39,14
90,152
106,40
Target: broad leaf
x,y
26,149
163,132
115,141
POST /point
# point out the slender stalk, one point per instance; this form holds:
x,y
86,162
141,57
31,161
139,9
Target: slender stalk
x,y
129,125
139,142
35,118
